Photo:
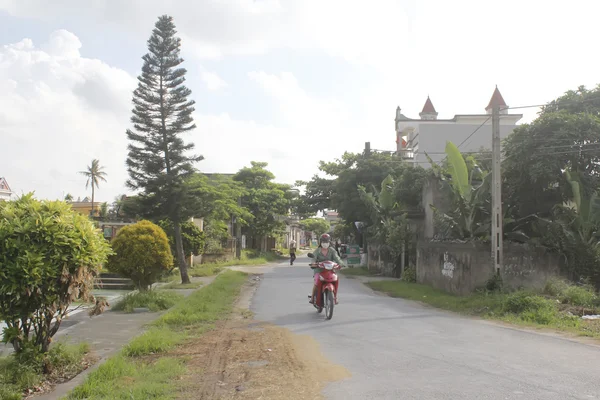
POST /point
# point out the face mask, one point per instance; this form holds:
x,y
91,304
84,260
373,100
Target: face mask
x,y
325,245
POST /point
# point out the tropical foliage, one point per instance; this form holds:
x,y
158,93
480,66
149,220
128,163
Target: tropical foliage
x,y
49,256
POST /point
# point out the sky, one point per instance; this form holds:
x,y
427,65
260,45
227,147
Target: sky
x,y
288,82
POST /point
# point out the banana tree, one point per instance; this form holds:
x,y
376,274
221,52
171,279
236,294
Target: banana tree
x,y
380,204
389,226
582,216
469,215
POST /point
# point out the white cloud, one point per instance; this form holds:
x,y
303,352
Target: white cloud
x,y
58,111
213,81
400,51
356,31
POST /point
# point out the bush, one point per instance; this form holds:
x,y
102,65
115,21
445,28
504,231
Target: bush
x,y
154,300
49,255
556,287
22,371
409,275
530,307
567,293
142,253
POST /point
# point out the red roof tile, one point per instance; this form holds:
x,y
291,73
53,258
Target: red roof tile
x,y
428,107
496,100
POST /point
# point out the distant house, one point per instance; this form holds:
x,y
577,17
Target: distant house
x,y
85,206
333,217
5,192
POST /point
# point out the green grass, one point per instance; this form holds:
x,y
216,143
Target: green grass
x,y
154,300
176,284
357,271
249,257
126,378
20,373
129,375
544,309
154,341
206,305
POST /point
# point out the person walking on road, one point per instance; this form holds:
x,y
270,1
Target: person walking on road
x,y
292,251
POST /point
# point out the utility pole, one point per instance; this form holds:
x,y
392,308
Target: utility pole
x,y
367,149
497,217
238,234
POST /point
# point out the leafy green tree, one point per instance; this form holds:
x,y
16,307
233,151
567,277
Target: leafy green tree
x,y
266,200
141,253
565,136
49,255
343,231
574,230
340,191
389,227
159,161
94,174
193,237
316,225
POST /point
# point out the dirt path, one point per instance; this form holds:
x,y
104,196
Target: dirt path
x,y
247,359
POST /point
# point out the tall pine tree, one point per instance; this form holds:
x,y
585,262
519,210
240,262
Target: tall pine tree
x,y
159,163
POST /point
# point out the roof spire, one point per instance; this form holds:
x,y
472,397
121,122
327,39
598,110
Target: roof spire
x,y
428,111
496,100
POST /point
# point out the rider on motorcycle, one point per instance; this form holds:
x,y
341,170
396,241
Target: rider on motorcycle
x,y
324,253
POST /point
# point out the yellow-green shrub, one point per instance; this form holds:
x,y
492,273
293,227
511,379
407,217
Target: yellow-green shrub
x,y
142,253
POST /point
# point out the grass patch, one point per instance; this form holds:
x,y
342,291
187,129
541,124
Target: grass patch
x,y
205,270
125,378
20,373
357,271
206,305
249,257
176,284
156,340
549,308
154,300
131,375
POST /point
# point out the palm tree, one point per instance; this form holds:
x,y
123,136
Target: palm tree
x,y
94,175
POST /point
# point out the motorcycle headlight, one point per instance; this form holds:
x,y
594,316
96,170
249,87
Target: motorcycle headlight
x,y
328,266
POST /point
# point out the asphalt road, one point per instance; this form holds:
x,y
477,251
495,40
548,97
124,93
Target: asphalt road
x,y
398,349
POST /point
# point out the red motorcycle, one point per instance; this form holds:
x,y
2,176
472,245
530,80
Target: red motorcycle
x,y
327,285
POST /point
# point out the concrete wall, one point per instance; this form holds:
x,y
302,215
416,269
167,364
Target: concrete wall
x,y
433,137
460,268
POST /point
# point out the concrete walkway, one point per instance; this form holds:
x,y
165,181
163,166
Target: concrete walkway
x,y
106,334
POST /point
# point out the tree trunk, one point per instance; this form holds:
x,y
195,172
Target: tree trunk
x,y
93,193
183,269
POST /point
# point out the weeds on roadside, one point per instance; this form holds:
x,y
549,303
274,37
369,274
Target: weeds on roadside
x,y
154,300
544,308
249,257
156,340
27,370
356,271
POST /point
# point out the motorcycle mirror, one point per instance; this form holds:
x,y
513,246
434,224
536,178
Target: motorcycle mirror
x,y
311,255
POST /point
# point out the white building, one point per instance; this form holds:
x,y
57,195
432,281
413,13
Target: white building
x,y
333,217
5,192
428,134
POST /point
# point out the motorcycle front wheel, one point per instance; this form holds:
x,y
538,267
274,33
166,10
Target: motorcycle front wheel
x,y
329,303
